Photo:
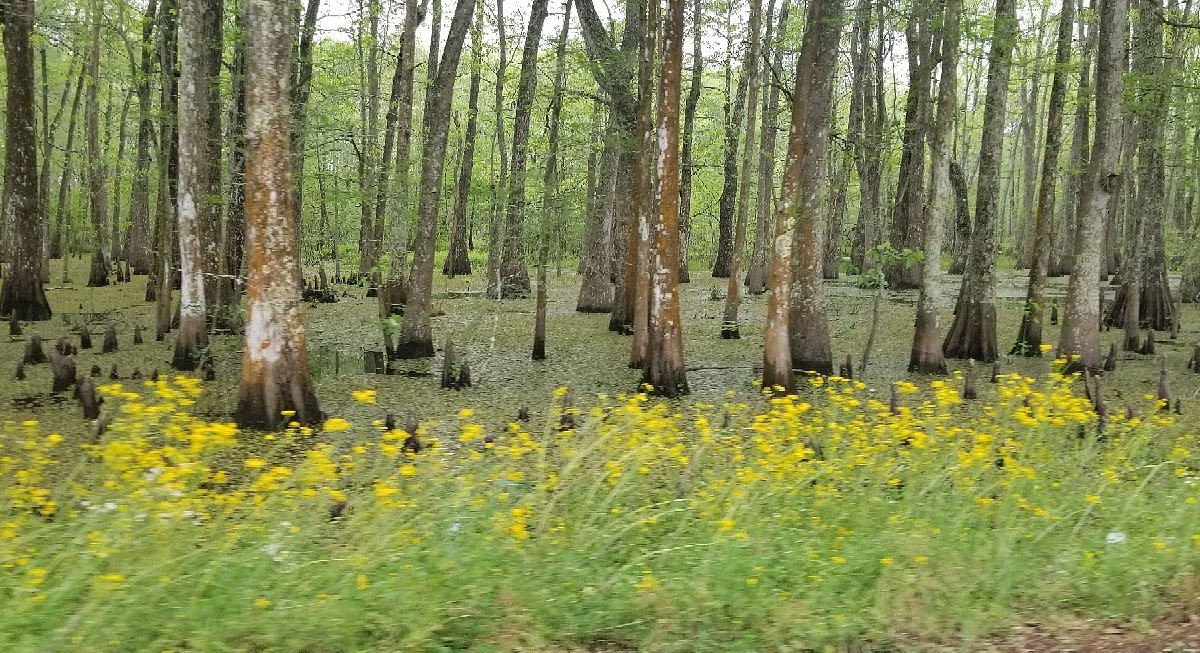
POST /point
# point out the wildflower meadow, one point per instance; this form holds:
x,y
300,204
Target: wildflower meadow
x,y
804,522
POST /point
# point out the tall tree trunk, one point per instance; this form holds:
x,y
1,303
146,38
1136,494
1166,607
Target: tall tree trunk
x,y
595,291
733,291
1145,296
233,250
416,334
397,135
457,259
49,134
687,170
614,72
1029,336
137,237
118,252
797,336
96,168
869,148
756,276
1063,254
168,158
21,292
1081,321
665,371
973,333
908,214
926,355
274,376
368,248
962,219
199,174
637,268
551,202
1029,140
500,188
831,261
302,73
735,104
58,248
515,277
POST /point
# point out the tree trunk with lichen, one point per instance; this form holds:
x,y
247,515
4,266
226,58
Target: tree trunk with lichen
x,y
197,183
513,273
797,330
1080,337
733,290
756,275
97,199
665,371
926,355
1029,335
21,294
416,333
275,383
688,167
973,332
1063,256
137,237
735,103
1145,289
908,213
457,259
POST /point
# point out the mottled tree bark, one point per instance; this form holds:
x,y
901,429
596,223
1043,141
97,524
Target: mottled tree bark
x,y
1029,336
199,211
233,243
1145,295
756,275
869,149
613,70
687,170
926,355
798,335
595,291
733,291
21,292
165,273
637,267
96,167
137,237
58,244
500,190
665,371
302,73
49,134
416,334
1080,338
1063,255
908,214
397,136
973,333
457,259
551,202
735,105
368,247
274,377
513,273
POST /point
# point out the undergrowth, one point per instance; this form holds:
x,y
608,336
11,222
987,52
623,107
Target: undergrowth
x,y
801,522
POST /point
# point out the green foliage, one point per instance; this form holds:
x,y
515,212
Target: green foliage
x,y
883,256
